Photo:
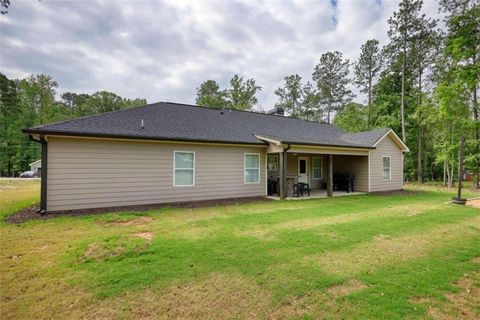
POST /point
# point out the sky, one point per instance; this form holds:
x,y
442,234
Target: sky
x,y
164,50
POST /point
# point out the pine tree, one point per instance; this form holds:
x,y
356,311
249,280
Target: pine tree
x,y
210,95
367,71
290,94
331,76
404,25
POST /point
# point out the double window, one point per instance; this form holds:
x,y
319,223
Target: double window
x,y
184,169
251,168
317,167
386,168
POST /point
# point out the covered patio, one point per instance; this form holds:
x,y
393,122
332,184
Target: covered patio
x,y
324,171
318,194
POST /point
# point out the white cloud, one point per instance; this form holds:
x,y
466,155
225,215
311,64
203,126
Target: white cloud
x,y
164,50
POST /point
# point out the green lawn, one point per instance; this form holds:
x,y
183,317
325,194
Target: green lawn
x,y
387,257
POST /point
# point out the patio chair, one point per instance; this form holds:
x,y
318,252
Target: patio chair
x,y
305,188
297,190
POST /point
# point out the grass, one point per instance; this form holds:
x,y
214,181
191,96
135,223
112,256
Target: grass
x,y
17,194
399,256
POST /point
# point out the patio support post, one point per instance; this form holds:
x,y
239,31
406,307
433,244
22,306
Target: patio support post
x,y
330,176
282,187
283,172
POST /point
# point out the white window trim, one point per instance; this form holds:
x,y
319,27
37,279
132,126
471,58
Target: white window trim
x,y
370,171
389,168
306,165
245,167
193,169
266,172
321,168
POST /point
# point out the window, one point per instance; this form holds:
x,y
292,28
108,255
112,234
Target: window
x,y
252,168
184,169
386,168
317,167
272,162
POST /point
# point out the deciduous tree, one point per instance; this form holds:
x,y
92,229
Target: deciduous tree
x,y
353,118
242,93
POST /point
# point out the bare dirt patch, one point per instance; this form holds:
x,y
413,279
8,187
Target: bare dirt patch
x,y
101,250
384,250
346,288
220,296
463,304
476,260
294,307
144,235
473,203
137,221
97,251
421,300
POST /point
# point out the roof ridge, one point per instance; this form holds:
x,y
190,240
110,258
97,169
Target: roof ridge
x,y
368,131
246,111
180,104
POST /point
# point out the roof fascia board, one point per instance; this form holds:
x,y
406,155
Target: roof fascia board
x,y
146,140
396,139
268,139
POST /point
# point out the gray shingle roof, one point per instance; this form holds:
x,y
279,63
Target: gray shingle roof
x,y
173,121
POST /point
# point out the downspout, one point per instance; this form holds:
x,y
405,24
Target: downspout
x,y
43,178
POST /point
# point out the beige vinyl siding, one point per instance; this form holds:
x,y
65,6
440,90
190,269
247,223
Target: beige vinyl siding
x,y
92,173
386,147
357,165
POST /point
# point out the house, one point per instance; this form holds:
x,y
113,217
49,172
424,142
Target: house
x,y
169,152
36,166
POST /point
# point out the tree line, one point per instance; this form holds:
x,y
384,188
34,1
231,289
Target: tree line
x,y
423,83
32,101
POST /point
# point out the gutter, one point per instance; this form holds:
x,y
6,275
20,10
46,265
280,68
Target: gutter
x,y
43,178
133,137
